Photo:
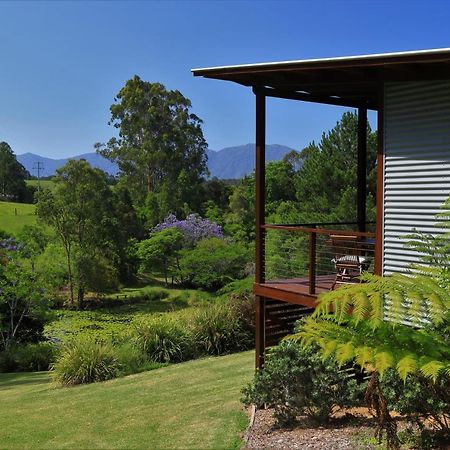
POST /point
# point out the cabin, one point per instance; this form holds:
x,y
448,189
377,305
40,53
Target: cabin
x,y
410,92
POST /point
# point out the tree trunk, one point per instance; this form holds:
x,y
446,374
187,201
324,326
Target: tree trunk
x,y
376,400
69,269
80,297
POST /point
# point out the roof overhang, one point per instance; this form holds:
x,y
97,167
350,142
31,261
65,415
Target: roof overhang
x,y
353,81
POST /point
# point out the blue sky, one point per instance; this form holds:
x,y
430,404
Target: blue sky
x,y
61,63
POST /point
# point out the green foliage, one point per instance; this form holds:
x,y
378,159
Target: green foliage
x,y
160,253
160,149
132,359
358,330
213,263
163,339
419,398
51,267
81,212
34,240
12,177
218,331
85,360
326,182
28,358
23,304
238,287
297,380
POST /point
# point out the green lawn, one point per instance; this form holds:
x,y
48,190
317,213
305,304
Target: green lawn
x,y
45,184
13,216
190,405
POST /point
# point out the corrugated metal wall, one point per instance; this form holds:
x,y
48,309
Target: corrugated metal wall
x,y
417,164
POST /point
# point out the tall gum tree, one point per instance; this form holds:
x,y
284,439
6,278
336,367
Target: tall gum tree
x,y
160,148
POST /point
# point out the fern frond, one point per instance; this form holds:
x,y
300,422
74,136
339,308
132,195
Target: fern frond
x,y
383,360
407,366
344,353
432,369
364,356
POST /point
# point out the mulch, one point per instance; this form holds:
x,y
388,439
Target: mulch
x,y
353,431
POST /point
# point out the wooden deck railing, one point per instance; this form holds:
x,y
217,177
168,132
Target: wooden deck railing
x,y
293,251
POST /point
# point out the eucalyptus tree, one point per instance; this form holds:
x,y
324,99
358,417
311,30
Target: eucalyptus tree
x,y
160,148
80,210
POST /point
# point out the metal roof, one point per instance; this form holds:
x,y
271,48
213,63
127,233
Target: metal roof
x,y
348,80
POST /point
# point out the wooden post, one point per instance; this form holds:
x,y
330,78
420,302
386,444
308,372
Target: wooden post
x,y
260,331
260,171
312,261
380,186
362,169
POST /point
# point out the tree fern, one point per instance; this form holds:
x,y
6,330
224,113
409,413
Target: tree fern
x,y
377,323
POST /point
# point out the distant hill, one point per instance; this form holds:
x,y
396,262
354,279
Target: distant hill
x,y
28,160
230,162
236,162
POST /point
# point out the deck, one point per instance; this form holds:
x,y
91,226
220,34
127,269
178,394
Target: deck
x,y
294,290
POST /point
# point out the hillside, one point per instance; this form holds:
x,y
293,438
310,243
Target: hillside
x,y
230,162
190,405
13,216
28,160
236,162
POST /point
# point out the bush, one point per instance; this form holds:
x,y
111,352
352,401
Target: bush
x,y
85,360
164,340
213,263
28,358
217,331
296,380
419,399
130,358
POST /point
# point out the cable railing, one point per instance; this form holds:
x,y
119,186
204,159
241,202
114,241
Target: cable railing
x,y
318,255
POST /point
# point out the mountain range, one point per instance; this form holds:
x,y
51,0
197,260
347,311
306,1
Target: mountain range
x,y
230,162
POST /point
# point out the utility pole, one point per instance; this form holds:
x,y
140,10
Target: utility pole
x,y
38,166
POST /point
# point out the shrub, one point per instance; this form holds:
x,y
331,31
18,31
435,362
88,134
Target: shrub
x,y
217,331
238,287
130,358
213,263
163,340
85,360
419,399
296,380
28,358
242,308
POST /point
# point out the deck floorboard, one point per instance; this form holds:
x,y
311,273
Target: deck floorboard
x,y
294,290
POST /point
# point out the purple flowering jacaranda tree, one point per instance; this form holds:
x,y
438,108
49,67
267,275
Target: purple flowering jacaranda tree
x,y
194,228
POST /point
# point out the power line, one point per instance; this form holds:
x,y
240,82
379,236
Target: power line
x,y
38,166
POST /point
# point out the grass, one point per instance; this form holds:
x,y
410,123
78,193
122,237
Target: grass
x,y
13,216
45,184
189,405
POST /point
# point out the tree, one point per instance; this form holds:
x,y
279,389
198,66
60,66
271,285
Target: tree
x,y
326,182
34,240
213,262
160,149
80,210
12,176
23,305
161,251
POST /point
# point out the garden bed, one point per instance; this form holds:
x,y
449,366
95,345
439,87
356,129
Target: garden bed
x,y
351,431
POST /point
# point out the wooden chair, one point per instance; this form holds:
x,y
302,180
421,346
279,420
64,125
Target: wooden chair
x,y
348,259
